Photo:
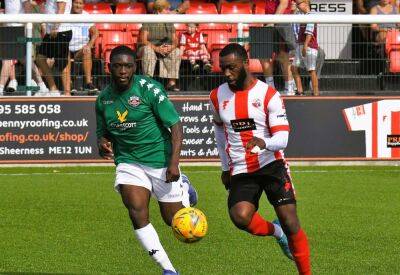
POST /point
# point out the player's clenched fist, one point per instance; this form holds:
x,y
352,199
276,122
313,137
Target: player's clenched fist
x,y
255,145
105,148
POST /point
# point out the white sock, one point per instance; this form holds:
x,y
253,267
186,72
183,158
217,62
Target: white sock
x,y
287,85
148,238
278,232
42,86
270,81
1,89
292,85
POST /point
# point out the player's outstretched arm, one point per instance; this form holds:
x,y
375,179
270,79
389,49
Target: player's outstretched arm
x,y
173,167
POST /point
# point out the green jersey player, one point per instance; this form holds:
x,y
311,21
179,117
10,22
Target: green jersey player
x,y
138,126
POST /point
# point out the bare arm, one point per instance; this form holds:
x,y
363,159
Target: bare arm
x,y
282,6
176,139
374,26
94,33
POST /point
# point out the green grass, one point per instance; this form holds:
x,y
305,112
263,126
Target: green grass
x,y
69,220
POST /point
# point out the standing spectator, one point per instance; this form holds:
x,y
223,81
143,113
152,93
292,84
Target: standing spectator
x,y
176,6
81,44
159,41
286,43
193,48
55,45
307,50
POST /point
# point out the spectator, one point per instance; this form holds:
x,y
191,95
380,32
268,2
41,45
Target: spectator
x,y
158,41
176,6
55,45
8,66
307,50
81,44
193,48
365,6
287,43
384,7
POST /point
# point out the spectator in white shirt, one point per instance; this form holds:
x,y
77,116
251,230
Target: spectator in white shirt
x,y
84,36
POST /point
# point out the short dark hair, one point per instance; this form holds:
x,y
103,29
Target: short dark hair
x,y
122,49
236,49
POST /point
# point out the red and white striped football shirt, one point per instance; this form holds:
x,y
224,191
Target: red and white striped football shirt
x,y
256,112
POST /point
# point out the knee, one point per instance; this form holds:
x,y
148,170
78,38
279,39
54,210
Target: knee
x,y
138,216
241,218
290,225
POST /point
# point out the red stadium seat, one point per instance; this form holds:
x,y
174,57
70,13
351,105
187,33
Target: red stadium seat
x,y
126,8
134,28
202,8
259,7
102,8
213,26
110,40
393,50
236,8
110,27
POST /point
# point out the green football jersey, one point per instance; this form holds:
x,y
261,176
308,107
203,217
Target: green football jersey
x,y
137,122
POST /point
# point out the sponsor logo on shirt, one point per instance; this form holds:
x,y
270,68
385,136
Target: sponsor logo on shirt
x,y
134,101
122,117
122,121
393,141
240,125
107,102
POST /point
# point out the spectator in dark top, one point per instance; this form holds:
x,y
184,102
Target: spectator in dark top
x,y
159,41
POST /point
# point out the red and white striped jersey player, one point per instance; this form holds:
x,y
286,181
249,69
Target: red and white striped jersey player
x,y
251,130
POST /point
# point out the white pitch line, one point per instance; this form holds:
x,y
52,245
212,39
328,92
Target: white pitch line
x,y
195,172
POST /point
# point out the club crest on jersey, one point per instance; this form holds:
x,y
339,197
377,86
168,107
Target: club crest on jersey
x,y
256,103
134,101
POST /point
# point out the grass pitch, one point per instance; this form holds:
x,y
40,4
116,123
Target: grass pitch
x,y
70,221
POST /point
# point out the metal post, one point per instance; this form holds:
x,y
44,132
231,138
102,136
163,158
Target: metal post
x,y
28,29
240,33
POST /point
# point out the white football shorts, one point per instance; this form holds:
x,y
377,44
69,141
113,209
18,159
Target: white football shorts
x,y
309,61
152,179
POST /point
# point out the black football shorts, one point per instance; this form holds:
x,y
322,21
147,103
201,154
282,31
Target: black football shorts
x,y
273,179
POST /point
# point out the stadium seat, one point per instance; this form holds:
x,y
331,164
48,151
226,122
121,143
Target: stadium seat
x,y
134,28
110,27
110,40
102,8
236,8
126,8
259,7
392,48
202,8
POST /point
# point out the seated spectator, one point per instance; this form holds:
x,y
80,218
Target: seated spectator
x,y
8,66
55,45
383,8
193,48
365,6
81,44
158,42
176,6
